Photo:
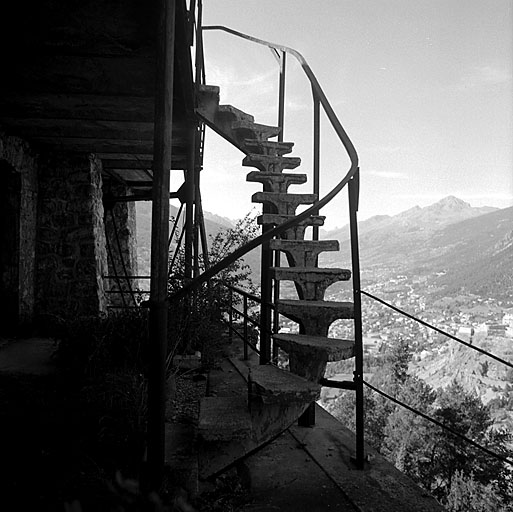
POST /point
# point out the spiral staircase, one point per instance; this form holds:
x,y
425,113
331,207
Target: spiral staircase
x,y
231,426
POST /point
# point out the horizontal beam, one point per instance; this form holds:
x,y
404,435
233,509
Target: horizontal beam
x,y
125,165
129,158
77,106
83,128
97,145
131,161
127,75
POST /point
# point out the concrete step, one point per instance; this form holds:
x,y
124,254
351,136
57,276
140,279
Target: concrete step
x,y
271,148
232,124
308,355
277,400
250,130
233,114
283,204
303,253
224,418
315,316
208,102
295,233
271,163
276,182
312,281
269,384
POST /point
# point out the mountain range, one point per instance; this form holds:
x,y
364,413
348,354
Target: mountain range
x,y
461,247
213,224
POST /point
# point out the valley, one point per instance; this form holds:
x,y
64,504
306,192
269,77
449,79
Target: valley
x,y
448,264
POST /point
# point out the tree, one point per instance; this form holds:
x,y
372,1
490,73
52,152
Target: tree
x,y
405,433
468,495
195,321
434,456
442,463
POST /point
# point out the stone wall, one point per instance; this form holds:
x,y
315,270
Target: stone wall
x,y
120,230
53,235
71,250
17,155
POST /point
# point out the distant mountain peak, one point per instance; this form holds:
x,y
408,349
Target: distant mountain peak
x,y
450,203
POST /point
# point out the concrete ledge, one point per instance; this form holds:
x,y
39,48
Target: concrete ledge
x,y
224,418
380,487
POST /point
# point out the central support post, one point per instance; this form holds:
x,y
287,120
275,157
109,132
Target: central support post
x,y
354,189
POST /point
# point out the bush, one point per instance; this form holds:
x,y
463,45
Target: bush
x,y
195,322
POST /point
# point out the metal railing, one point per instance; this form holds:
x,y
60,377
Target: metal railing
x,y
247,320
509,364
351,179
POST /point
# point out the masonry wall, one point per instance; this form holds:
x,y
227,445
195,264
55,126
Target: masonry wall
x,y
17,156
71,250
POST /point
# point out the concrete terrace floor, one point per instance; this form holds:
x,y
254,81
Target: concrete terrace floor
x,y
303,469
310,469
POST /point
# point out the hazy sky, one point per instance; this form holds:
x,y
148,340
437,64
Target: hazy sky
x,y
424,89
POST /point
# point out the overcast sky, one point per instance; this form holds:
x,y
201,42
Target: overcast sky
x,y
424,89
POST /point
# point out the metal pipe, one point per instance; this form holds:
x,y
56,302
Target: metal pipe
x,y
354,188
175,254
267,295
159,237
328,109
195,237
203,231
276,298
245,328
200,68
316,154
189,208
230,316
172,235
281,96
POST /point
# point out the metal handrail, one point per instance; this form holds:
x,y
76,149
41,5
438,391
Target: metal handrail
x,y
272,233
317,89
259,240
352,179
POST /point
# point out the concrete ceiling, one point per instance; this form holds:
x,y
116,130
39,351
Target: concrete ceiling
x,y
79,75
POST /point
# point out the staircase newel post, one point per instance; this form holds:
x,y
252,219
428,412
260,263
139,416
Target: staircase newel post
x,y
316,154
281,97
354,186
266,296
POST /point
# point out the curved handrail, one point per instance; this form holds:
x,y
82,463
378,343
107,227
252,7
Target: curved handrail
x,y
337,126
344,138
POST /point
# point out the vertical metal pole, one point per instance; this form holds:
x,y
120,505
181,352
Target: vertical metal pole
x,y
245,328
354,186
281,100
266,295
203,232
199,46
159,239
190,20
189,206
197,214
316,154
277,254
230,317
